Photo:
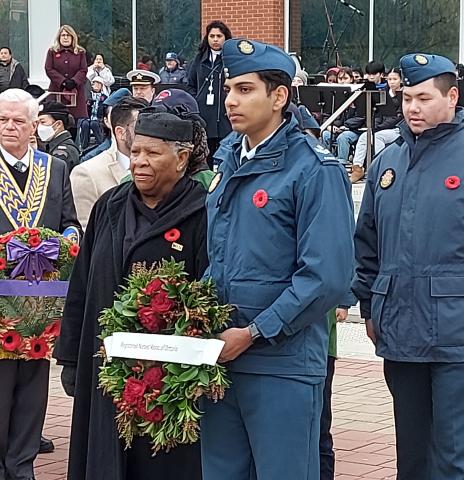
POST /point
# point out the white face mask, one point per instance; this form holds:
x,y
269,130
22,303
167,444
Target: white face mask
x,y
45,132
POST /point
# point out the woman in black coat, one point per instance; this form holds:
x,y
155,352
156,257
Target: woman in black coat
x,y
206,82
128,225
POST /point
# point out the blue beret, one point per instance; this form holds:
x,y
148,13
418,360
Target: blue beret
x,y
242,56
419,67
116,96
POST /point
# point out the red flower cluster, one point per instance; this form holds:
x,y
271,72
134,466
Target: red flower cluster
x,y
34,241
135,389
151,317
150,320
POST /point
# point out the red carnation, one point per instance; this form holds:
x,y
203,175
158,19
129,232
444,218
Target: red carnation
x,y
153,377
11,341
161,303
452,182
21,230
38,348
155,415
74,250
150,320
172,235
34,232
53,329
34,241
153,287
2,263
133,391
260,198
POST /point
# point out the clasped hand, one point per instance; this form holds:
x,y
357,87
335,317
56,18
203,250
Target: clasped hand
x,y
237,340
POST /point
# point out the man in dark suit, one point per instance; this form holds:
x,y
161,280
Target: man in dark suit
x,y
27,202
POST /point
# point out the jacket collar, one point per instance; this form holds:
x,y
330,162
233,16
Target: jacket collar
x,y
269,156
62,137
433,134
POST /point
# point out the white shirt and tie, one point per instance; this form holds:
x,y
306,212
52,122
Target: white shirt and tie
x,y
20,164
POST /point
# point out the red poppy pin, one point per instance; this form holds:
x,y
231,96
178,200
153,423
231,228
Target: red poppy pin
x,y
260,198
172,235
58,55
452,182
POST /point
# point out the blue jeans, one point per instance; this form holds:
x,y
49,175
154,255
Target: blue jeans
x,y
344,141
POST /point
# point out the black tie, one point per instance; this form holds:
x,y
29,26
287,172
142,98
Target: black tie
x,y
20,166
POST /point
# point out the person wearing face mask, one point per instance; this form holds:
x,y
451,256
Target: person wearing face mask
x,y
206,83
91,179
54,120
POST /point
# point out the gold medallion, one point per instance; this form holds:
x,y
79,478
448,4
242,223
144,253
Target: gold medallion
x,y
246,47
387,179
421,60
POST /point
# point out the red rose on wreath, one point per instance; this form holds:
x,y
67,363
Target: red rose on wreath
x,y
133,391
161,303
34,241
11,341
155,415
260,198
2,264
150,320
172,235
53,329
452,182
153,377
153,287
74,250
34,232
37,348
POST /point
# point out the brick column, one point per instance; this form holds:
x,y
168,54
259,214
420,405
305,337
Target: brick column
x,y
261,20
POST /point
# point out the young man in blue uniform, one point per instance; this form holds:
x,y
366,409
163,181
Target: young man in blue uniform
x,y
410,271
280,250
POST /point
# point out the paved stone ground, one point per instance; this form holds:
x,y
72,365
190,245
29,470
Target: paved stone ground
x,y
363,425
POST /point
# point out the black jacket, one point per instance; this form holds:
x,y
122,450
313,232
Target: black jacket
x,y
59,211
18,77
388,116
109,248
63,147
200,74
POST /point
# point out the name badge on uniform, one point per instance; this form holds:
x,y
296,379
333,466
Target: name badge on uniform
x,y
210,99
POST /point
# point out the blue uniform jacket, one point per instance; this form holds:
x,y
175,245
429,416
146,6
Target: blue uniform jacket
x,y
286,264
410,247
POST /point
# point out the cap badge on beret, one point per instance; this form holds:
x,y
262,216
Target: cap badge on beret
x,y
421,60
246,47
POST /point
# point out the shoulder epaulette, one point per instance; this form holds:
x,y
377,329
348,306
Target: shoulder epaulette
x,y
323,154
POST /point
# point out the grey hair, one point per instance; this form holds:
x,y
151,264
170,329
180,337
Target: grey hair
x,y
16,95
177,146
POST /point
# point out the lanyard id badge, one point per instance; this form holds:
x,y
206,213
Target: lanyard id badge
x,y
210,95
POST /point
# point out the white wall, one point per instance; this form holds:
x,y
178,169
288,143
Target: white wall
x,y
44,22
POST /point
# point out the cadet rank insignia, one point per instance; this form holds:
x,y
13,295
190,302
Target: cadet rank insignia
x,y
214,182
421,60
387,179
246,47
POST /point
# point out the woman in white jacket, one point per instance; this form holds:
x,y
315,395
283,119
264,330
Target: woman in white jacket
x,y
100,69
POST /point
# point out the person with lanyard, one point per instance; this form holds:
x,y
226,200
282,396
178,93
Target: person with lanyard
x,y
206,81
409,270
34,192
280,226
